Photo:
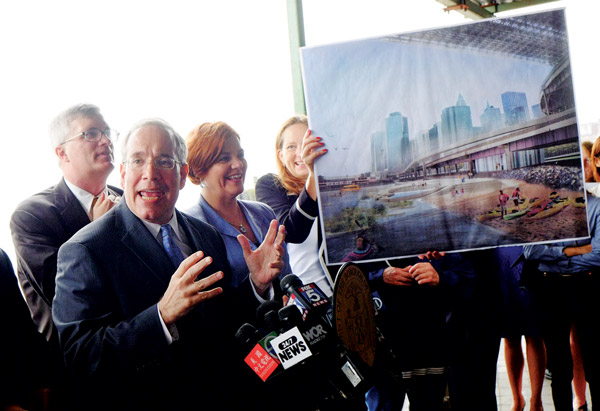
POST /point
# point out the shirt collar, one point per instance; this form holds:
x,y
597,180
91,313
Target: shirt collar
x,y
155,228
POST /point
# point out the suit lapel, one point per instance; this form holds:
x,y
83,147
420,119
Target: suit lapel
x,y
199,240
193,235
70,209
137,238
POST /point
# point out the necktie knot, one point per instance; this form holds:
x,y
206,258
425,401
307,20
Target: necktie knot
x,y
170,246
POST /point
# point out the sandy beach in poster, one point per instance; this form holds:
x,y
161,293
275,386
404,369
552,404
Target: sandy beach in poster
x,y
449,213
479,204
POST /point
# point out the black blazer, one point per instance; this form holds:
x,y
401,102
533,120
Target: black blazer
x,y
22,348
287,208
39,226
111,275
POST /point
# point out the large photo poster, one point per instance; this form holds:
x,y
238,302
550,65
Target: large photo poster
x,y
449,139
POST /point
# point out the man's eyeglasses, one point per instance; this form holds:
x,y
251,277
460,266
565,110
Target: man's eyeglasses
x,y
94,134
165,163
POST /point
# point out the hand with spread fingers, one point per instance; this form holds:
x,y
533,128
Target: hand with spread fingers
x,y
185,292
265,263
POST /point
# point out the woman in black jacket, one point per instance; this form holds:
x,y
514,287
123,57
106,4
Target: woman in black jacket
x,y
292,194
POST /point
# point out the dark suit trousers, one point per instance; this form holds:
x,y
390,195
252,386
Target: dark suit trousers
x,y
567,301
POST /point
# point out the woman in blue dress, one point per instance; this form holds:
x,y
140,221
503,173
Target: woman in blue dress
x,y
217,163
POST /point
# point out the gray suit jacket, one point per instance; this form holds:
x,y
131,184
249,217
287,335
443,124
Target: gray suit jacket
x,y
39,226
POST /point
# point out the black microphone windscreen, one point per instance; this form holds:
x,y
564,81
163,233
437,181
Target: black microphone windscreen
x,y
271,321
264,308
246,334
290,316
289,283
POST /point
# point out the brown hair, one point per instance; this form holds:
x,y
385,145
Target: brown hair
x,y
292,184
594,153
205,143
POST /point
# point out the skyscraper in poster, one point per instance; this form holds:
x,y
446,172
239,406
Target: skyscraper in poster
x,y
515,107
397,141
491,119
378,151
457,124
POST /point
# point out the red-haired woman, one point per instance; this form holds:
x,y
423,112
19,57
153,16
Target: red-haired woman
x,y
216,162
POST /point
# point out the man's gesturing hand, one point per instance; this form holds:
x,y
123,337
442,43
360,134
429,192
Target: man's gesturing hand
x,y
184,292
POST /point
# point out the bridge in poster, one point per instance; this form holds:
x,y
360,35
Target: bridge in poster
x,y
543,132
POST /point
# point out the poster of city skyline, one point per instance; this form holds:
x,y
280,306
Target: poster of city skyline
x,y
454,138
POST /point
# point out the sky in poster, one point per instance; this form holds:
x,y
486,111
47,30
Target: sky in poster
x,y
353,87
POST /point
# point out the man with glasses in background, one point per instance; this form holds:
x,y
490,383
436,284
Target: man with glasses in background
x,y
83,144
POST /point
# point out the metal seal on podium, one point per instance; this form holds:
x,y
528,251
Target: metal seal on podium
x,y
354,312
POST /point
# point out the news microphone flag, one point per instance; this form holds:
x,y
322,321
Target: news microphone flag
x,y
291,348
261,362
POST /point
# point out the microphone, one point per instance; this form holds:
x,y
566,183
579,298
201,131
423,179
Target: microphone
x,y
268,321
271,320
341,375
289,317
263,310
308,298
258,357
310,359
347,373
289,345
247,335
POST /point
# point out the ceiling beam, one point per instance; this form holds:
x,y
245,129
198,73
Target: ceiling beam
x,y
468,8
475,11
497,8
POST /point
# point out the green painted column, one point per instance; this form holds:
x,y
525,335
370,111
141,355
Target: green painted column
x,y
296,35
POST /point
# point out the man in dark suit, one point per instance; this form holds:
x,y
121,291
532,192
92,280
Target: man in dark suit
x,y
138,328
82,142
